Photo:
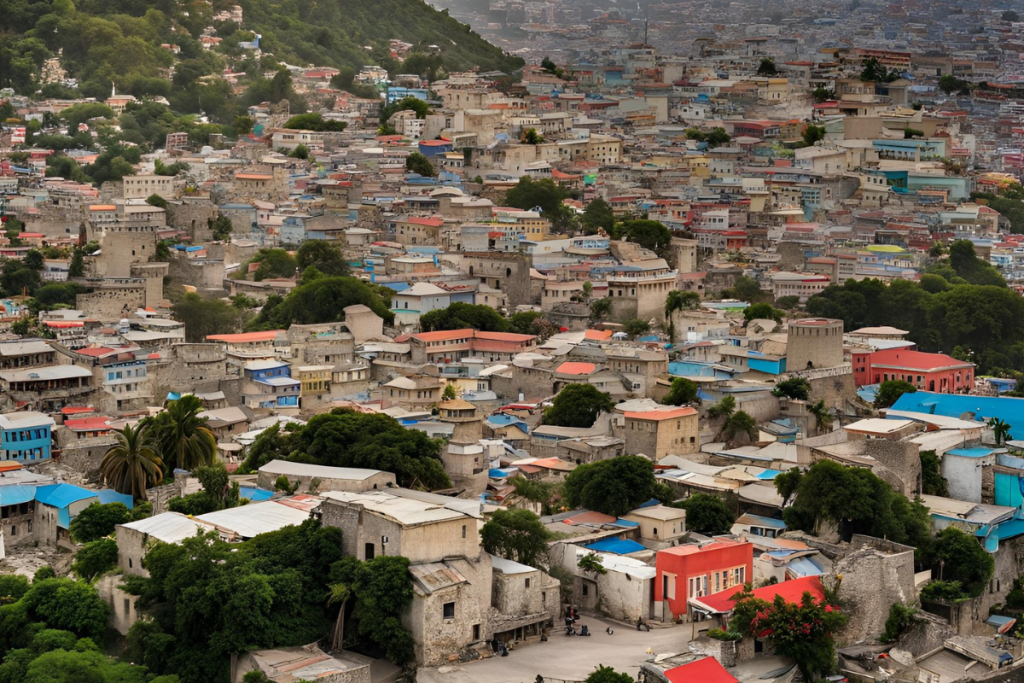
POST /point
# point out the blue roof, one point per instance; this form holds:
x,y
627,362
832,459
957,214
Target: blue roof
x,y
1011,410
254,494
62,495
970,452
111,496
617,546
628,523
651,503
14,495
804,566
770,522
769,474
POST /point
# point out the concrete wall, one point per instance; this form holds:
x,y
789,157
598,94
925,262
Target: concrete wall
x,y
873,580
964,475
265,480
123,613
112,302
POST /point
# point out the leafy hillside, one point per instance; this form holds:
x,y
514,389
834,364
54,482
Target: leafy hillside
x,y
119,42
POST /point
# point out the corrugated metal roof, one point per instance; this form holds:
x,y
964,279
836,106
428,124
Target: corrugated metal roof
x,y
255,519
434,576
169,527
15,495
62,495
617,546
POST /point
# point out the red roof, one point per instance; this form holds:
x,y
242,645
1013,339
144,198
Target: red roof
x,y
88,424
95,351
571,368
469,333
791,591
916,360
244,337
64,324
432,222
659,415
706,670
76,410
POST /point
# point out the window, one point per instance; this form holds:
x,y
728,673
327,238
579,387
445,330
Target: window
x,y
655,531
585,590
368,551
127,607
476,631
449,610
543,597
129,563
527,583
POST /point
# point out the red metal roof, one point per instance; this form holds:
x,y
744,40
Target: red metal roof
x,y
706,670
659,415
88,424
791,591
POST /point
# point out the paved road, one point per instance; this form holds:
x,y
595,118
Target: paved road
x,y
567,657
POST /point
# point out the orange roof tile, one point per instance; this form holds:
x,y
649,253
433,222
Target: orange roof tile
x,y
244,337
575,368
659,415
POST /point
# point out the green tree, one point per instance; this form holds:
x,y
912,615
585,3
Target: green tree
x,y
745,289
1010,16
300,152
959,557
813,134
516,535
449,393
321,301
1000,430
932,481
314,121
591,563
544,193
326,257
461,316
383,590
598,215
532,137
787,483
543,492
822,416
578,405
707,514
796,388
418,163
724,408
900,620
857,501
875,71
767,67
132,465
651,235
34,259
613,487
600,308
762,311
272,263
344,438
69,606
636,327
890,391
950,84
822,94
98,521
740,423
12,588
606,674
221,228
681,392
185,441
531,322
95,558
203,317
77,266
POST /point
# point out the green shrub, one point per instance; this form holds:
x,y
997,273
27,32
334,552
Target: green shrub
x,y
728,636
901,619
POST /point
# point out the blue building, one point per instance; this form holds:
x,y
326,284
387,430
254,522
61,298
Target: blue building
x,y
25,436
269,384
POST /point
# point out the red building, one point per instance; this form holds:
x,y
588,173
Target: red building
x,y
689,571
927,371
791,591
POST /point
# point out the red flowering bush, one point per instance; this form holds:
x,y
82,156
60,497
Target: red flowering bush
x,y
801,632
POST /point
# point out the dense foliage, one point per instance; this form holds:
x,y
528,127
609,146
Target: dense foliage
x,y
462,316
682,392
962,559
932,481
961,303
578,405
323,300
803,632
890,391
858,502
344,438
614,487
98,521
516,535
707,514
210,599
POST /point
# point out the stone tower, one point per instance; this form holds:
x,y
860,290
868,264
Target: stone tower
x,y
814,343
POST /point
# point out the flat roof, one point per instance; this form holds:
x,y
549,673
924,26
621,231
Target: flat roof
x,y
169,527
301,469
256,518
405,511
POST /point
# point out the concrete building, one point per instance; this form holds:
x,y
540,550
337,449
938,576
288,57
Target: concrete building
x,y
691,572
659,433
25,436
927,371
327,478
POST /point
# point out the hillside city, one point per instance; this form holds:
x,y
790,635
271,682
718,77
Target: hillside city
x,y
572,343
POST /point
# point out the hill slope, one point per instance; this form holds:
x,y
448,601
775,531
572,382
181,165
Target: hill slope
x,y
119,42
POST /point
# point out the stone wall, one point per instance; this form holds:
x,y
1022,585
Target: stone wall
x,y
873,580
205,274
112,303
191,216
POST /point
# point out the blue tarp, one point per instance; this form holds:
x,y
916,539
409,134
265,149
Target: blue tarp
x,y
628,523
15,495
62,495
110,496
1011,410
769,474
254,494
616,546
804,566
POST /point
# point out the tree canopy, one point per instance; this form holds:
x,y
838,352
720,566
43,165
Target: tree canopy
x,y
344,438
203,317
516,535
461,316
326,257
615,486
577,405
682,392
98,520
707,514
322,300
890,391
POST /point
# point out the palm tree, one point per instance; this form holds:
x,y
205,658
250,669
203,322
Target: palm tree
x,y
822,415
185,440
1000,430
677,301
340,594
133,464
